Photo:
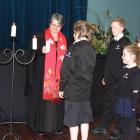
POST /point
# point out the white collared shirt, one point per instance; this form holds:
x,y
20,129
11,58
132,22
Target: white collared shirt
x,y
118,37
81,38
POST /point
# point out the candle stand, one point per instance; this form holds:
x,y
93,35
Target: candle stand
x,y
15,56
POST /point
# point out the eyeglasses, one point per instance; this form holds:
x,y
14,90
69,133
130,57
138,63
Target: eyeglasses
x,y
58,26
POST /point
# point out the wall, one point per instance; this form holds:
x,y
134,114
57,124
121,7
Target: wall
x,y
128,9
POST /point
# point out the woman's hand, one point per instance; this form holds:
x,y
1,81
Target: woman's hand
x,y
44,50
61,94
103,82
61,57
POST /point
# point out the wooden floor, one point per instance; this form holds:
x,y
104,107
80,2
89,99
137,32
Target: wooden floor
x,y
22,132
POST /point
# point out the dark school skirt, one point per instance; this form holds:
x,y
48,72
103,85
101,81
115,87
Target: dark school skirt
x,y
77,113
124,108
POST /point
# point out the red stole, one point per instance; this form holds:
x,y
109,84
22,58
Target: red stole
x,y
53,62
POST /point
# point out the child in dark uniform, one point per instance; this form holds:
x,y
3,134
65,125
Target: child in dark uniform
x,y
127,93
76,81
138,117
138,108
112,70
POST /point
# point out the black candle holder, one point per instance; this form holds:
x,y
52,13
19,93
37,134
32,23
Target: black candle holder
x,y
13,55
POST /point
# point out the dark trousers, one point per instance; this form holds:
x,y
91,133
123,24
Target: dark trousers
x,y
108,107
54,115
127,126
138,119
60,116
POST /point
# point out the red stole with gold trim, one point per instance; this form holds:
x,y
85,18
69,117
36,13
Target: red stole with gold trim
x,y
53,62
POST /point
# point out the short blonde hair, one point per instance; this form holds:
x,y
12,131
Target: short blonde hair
x,y
135,50
120,20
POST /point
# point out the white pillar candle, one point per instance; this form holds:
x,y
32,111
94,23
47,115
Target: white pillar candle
x,y
34,43
13,30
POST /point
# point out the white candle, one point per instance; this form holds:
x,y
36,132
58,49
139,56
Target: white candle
x,y
34,43
13,30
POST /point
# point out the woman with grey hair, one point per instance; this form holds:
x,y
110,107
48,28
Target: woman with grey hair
x,y
46,111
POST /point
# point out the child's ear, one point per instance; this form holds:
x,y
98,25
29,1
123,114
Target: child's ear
x,y
77,34
122,28
133,57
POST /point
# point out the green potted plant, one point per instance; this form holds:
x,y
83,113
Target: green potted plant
x,y
102,35
100,40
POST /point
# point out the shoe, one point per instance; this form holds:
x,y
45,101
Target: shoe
x,y
116,135
99,130
138,128
41,134
58,132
